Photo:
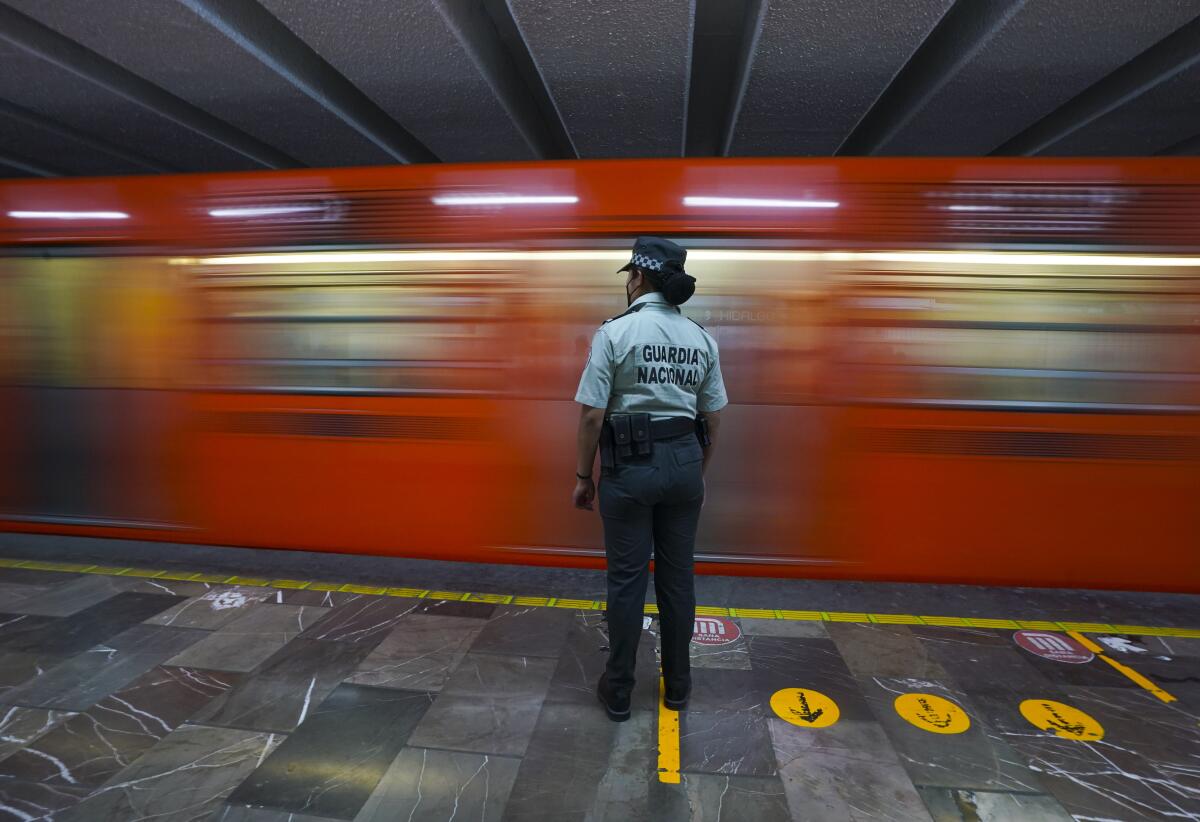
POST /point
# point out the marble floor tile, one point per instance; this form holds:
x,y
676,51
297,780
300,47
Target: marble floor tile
x,y
852,775
955,805
1175,646
11,592
248,813
783,662
287,688
568,757
500,677
334,761
22,801
18,668
90,748
724,689
20,726
84,679
364,620
735,799
796,628
734,655
475,724
725,743
432,786
583,659
318,599
1094,674
48,579
185,776
883,650
73,597
212,609
175,587
630,790
89,627
446,607
533,632
419,653
976,759
983,661
250,638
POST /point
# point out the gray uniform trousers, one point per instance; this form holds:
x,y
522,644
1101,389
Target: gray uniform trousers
x,y
651,505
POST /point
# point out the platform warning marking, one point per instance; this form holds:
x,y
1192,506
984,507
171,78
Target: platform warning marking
x,y
1063,720
668,738
932,713
1124,669
651,608
805,707
1054,646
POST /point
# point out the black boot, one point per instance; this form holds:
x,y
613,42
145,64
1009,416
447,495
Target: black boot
x,y
616,705
675,695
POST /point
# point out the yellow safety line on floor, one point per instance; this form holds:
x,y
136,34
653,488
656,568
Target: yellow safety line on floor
x,y
1125,669
598,605
668,739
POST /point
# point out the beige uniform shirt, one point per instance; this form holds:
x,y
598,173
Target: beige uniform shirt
x,y
653,360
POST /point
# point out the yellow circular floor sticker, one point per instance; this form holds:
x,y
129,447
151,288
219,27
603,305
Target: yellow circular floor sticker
x,y
1065,721
806,708
932,713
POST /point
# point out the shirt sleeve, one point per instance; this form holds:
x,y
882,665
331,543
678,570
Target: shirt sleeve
x,y
711,396
595,386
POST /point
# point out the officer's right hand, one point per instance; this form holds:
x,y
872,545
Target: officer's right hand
x,y
585,492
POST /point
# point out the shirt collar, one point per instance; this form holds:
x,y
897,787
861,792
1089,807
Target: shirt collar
x,y
652,297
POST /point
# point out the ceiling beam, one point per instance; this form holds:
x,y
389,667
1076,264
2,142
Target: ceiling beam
x,y
31,118
31,36
961,33
1166,59
724,40
492,39
256,30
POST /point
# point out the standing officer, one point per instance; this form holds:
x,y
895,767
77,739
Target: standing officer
x,y
651,395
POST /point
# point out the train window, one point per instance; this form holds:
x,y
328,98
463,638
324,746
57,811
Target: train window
x,y
1035,342
381,332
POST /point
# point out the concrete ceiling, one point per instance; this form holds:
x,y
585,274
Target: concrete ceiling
x,y
141,86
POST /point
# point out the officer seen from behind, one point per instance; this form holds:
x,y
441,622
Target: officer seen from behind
x,y
651,394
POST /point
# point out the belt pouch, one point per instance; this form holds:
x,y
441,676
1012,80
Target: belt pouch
x,y
702,431
606,448
622,429
640,431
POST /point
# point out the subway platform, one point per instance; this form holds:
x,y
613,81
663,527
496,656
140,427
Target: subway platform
x,y
155,681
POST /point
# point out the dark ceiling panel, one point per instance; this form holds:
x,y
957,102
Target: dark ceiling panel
x,y
1149,123
1046,54
174,49
819,68
618,72
55,151
60,95
404,57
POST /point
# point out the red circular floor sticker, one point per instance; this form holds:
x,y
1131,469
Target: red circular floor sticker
x,y
715,631
1051,645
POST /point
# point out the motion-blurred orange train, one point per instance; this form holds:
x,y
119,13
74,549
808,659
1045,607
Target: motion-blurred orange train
x,y
945,370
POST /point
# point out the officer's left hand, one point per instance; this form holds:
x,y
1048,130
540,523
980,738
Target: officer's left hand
x,y
585,492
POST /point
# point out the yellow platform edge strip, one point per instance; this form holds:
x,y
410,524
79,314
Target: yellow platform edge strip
x,y
668,739
593,605
1124,669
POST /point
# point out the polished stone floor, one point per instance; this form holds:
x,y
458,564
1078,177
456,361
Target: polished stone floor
x,y
132,699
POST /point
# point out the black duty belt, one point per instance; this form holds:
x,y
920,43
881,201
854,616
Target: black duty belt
x,y
631,435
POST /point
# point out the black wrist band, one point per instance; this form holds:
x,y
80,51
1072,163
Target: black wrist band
x,y
582,476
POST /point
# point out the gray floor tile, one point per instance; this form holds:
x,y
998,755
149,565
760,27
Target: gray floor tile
x,y
212,609
22,800
490,676
534,632
320,599
732,655
287,688
419,654
629,789
78,632
847,771
73,597
479,724
86,678
814,664
90,748
47,579
250,638
798,628
19,668
953,805
185,776
12,592
20,726
736,799
364,620
432,786
884,650
334,760
247,813
175,587
725,743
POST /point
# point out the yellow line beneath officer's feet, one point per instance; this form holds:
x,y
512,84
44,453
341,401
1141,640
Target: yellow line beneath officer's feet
x,y
1125,669
668,739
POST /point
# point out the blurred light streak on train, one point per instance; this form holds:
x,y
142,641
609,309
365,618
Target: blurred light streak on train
x,y
946,370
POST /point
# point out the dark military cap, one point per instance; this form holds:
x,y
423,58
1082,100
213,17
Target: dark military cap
x,y
656,254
